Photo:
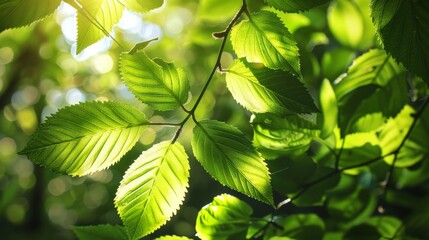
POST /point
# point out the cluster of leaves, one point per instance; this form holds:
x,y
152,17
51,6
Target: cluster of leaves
x,y
367,128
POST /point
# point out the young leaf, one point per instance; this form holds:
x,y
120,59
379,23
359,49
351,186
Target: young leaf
x,y
159,84
142,5
101,232
226,217
95,20
264,39
329,106
87,137
153,188
275,136
294,6
260,89
15,14
230,158
140,46
404,30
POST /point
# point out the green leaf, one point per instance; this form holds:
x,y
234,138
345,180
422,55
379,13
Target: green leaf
x,y
140,46
403,27
85,138
172,238
260,89
264,39
295,5
153,188
362,93
303,227
217,11
101,232
329,106
230,158
159,84
15,14
336,61
394,133
142,5
95,20
350,23
226,217
275,136
383,227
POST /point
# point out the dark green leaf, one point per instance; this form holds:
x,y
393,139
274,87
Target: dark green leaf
x,y
227,217
101,232
261,89
159,84
230,158
264,39
404,30
153,188
295,5
15,14
85,138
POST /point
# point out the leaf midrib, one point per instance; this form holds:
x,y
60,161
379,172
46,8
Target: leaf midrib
x,y
232,163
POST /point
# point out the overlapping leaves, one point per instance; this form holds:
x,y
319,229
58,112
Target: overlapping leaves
x,y
159,84
404,29
153,188
264,39
295,5
87,137
230,158
101,232
260,89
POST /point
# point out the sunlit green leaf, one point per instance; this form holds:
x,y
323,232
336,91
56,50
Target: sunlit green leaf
x,y
260,89
142,5
140,46
159,84
404,30
15,14
226,217
95,20
217,11
329,107
230,158
295,5
350,23
87,137
101,232
393,134
336,61
275,136
264,39
373,78
153,188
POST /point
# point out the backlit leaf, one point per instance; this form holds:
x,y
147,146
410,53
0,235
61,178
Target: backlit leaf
x,y
153,188
159,84
87,137
264,39
295,5
95,20
172,238
329,106
230,158
217,11
142,5
15,14
226,217
275,136
101,232
260,89
403,27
